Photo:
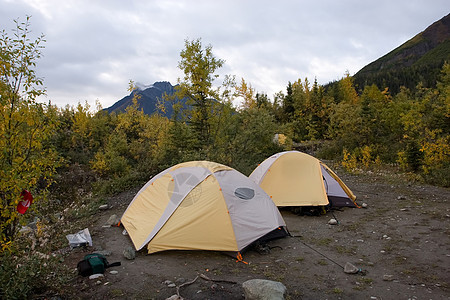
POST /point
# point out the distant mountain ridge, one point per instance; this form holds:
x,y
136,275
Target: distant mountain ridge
x,y
149,99
420,59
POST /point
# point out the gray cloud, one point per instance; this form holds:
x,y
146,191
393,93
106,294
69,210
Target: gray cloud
x,y
95,47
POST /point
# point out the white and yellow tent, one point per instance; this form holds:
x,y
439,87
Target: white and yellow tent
x,y
293,178
201,205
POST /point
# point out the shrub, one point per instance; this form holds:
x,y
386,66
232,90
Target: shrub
x,y
29,274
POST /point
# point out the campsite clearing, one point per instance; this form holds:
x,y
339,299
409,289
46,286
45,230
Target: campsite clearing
x,y
401,241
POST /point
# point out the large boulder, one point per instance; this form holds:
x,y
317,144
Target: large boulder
x,y
260,289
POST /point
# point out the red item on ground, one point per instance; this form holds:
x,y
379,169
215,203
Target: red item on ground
x,y
27,200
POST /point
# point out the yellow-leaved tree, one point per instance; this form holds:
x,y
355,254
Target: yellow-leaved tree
x,y
26,159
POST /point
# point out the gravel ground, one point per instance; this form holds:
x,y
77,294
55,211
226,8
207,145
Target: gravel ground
x,y
400,242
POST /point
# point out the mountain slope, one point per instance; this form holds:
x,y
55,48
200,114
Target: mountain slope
x,y
418,60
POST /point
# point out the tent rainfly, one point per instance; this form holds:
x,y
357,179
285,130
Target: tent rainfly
x,y
201,205
293,178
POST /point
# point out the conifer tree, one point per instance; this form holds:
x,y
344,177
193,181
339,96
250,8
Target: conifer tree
x,y
199,66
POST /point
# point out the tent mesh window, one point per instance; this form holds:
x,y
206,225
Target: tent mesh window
x,y
244,193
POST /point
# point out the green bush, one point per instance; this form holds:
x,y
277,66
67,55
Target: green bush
x,y
29,275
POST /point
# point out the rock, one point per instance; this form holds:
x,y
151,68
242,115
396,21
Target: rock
x,y
180,280
388,277
112,221
260,289
129,253
350,269
95,276
401,197
167,282
103,207
172,285
114,272
124,232
364,205
175,297
332,222
104,252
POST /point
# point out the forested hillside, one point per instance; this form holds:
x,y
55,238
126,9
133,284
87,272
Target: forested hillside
x,y
419,60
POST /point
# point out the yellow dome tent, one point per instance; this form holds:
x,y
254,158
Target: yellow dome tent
x,y
201,205
293,178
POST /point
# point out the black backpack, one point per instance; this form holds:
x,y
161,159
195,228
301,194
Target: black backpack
x,y
94,263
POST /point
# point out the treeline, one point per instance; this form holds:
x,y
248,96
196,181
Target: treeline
x,y
60,153
409,129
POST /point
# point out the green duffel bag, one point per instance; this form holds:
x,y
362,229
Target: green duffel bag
x,y
94,263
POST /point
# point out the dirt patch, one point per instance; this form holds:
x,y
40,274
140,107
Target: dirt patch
x,y
400,242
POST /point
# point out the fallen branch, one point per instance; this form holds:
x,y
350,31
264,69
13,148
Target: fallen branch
x,y
216,280
202,276
186,283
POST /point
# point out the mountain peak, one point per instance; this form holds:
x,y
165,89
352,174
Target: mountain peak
x,y
150,96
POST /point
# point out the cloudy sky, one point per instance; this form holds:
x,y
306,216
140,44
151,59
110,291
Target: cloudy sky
x,y
94,47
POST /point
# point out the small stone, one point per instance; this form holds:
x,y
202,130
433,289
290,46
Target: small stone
x,y
171,285
167,282
95,276
175,297
401,197
112,220
180,280
350,269
104,252
103,207
332,222
114,272
364,205
388,277
124,232
129,253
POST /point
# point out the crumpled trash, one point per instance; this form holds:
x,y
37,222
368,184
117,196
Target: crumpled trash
x,y
79,239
